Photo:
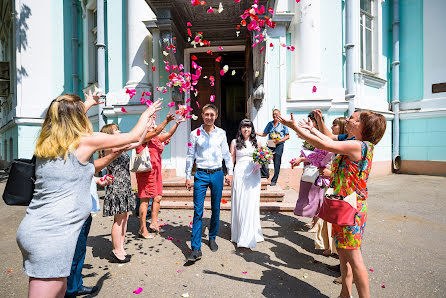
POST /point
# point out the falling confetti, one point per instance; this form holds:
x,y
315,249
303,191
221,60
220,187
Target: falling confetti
x,y
257,73
220,48
233,72
220,8
165,53
194,117
138,290
223,201
314,89
198,132
189,144
218,59
212,98
189,24
210,10
171,104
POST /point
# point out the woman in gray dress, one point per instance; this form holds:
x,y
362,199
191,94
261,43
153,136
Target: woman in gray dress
x,y
48,234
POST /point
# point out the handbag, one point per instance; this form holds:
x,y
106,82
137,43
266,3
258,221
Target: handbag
x,y
19,189
141,162
338,209
310,173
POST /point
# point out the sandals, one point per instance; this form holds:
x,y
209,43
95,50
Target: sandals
x,y
141,235
159,231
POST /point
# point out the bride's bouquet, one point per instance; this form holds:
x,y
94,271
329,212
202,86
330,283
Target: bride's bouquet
x,y
318,158
261,156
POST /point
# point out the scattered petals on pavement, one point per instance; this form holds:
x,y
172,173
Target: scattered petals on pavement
x,y
10,271
244,272
371,270
138,290
383,286
223,201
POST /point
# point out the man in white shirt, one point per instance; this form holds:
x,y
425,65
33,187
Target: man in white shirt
x,y
208,147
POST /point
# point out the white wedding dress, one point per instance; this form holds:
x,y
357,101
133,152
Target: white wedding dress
x,y
245,201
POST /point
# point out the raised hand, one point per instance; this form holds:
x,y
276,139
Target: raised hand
x,y
92,99
317,114
305,123
155,107
290,123
170,117
181,119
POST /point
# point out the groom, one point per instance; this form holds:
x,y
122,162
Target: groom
x,y
208,147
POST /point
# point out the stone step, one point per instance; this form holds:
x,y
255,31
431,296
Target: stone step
x,y
264,206
273,194
178,184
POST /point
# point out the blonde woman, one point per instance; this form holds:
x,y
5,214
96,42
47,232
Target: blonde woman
x,y
48,234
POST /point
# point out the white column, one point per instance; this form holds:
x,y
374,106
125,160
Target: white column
x,y
138,44
307,68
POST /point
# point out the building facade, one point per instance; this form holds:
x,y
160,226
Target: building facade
x,y
384,55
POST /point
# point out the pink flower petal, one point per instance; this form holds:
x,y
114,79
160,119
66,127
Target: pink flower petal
x,y
383,286
170,238
189,24
212,98
244,272
138,290
314,89
188,100
123,110
148,102
171,104
222,72
178,271
210,10
371,270
198,105
220,48
198,132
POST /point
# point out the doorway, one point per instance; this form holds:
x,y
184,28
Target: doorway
x,y
229,89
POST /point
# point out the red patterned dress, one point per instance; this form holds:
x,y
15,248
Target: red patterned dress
x,y
345,181
150,184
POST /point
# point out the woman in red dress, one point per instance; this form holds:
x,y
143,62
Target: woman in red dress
x,y
150,184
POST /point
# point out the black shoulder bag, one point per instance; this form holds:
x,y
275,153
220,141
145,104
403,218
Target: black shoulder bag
x,y
19,188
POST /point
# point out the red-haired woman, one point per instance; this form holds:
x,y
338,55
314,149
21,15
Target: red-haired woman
x,y
350,172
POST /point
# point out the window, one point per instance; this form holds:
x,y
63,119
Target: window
x,y
367,35
90,41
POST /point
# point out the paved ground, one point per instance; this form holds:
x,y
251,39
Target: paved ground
x,y
404,244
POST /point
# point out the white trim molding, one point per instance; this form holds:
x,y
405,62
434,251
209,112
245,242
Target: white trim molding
x,y
417,114
21,121
429,104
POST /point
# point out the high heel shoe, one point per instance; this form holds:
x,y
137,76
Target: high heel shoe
x,y
115,259
141,235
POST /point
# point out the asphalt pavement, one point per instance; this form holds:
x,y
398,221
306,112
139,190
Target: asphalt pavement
x,y
404,248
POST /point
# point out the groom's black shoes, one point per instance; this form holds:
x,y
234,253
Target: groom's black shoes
x,y
195,255
213,245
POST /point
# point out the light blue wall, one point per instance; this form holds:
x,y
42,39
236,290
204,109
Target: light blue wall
x,y
60,57
423,139
383,151
27,137
411,50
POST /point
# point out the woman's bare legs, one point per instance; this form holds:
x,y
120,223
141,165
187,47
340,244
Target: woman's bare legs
x,y
155,210
142,216
47,287
124,230
353,267
118,234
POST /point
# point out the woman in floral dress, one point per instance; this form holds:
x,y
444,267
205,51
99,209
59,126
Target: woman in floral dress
x,y
351,170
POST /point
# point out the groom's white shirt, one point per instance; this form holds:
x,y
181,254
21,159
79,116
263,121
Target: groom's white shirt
x,y
208,151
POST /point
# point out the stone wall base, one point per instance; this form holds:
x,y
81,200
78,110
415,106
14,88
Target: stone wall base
x,y
420,167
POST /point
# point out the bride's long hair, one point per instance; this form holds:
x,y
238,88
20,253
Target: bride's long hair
x,y
240,141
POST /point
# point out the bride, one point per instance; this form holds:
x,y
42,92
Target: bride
x,y
245,201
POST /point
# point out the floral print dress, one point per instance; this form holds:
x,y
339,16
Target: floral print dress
x,y
346,181
119,197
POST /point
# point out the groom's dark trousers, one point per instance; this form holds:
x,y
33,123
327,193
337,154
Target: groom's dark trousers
x,y
202,180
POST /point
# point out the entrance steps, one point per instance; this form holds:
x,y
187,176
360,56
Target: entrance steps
x,y
175,196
